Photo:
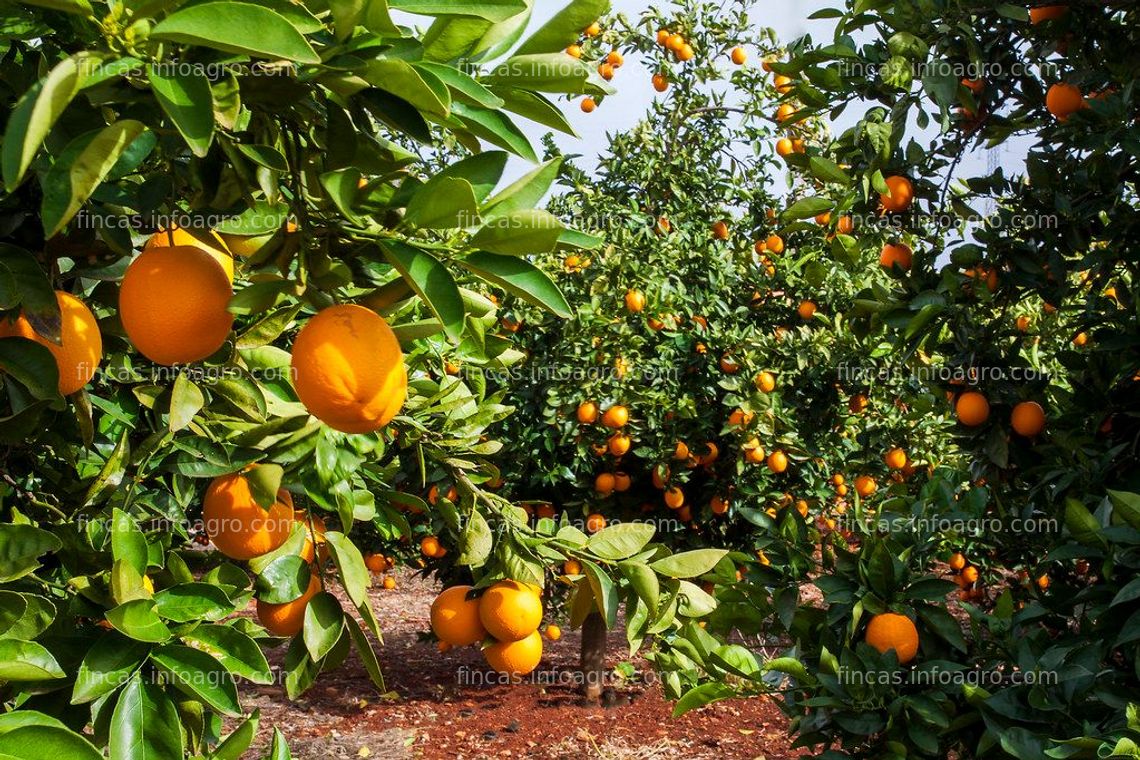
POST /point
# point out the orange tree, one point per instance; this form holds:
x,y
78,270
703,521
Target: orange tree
x,y
320,183
710,382
1029,317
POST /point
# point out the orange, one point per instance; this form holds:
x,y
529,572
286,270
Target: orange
x,y
375,562
589,105
659,476
720,230
389,584
728,365
663,37
571,567
785,147
976,86
1080,339
1028,418
286,618
845,225
765,382
80,350
1047,13
892,631
587,412
865,486
605,484
899,195
619,444
783,113
172,303
674,498
685,514
753,451
455,618
429,546
206,240
510,610
783,84
970,574
635,301
837,479
777,461
1023,323
348,369
957,561
739,56
615,59
857,403
675,43
972,409
712,453
802,508
238,526
806,309
895,458
686,53
574,51
681,451
718,505
593,30
1063,100
1043,582
553,632
660,82
824,218
515,658
775,244
896,254
615,417
740,418
595,522
606,71
622,482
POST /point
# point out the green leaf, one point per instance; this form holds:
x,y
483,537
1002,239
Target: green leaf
x,y
34,293
138,620
461,84
34,115
702,695
80,169
422,89
491,10
78,7
279,749
186,400
145,724
354,574
229,27
27,661
324,624
265,483
1081,523
688,564
443,203
431,280
127,541
644,581
1127,506
620,541
198,675
284,579
475,542
20,549
365,652
107,666
239,653
547,72
112,472
32,366
38,742
805,208
531,105
483,171
185,602
521,278
495,127
565,27
829,171
602,591
519,233
524,193
234,746
187,100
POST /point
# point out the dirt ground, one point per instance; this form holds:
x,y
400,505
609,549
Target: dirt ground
x,y
450,706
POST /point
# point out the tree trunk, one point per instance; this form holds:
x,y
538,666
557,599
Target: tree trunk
x,y
593,661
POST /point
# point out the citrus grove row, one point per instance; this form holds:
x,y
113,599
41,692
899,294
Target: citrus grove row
x,y
274,323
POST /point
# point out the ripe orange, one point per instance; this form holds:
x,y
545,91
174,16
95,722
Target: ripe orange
x,y
375,562
899,195
238,526
606,71
510,610
1023,323
515,658
605,484
957,561
1028,418
634,301
777,461
845,225
593,30
615,59
785,147
783,113
1047,13
806,309
674,498
1080,339
81,344
172,303
837,479
622,482
823,219
739,56
615,417
728,365
970,574
976,86
660,476
865,486
286,618
619,444
895,458
572,567
1043,582
348,369
1063,100
765,382
587,412
685,514
783,84
720,230
455,618
718,505
972,408
896,254
775,244
429,546
686,53
205,240
574,51
857,403
675,43
892,631
389,583
753,451
712,453
589,105
740,418
663,37
553,632
681,451
802,507
660,82
595,522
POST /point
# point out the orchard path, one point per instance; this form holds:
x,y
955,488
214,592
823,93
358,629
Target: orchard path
x,y
432,712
